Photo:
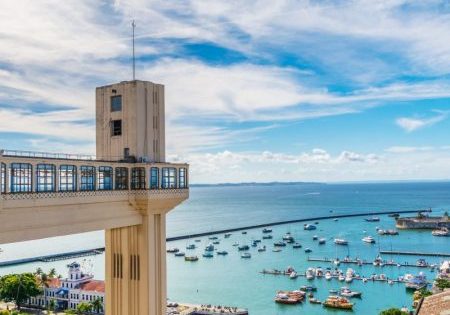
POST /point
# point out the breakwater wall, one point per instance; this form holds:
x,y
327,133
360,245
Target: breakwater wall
x,y
91,252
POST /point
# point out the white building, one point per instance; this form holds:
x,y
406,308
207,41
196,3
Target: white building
x,y
68,293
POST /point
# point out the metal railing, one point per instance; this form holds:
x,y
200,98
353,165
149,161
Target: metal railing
x,y
47,155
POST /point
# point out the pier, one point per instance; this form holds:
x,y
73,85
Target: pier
x,y
408,253
50,258
365,262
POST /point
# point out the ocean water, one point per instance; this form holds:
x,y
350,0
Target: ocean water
x,y
231,280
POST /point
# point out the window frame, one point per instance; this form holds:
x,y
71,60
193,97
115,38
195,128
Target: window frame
x,y
169,178
121,178
101,178
138,181
64,180
114,131
3,175
85,183
45,177
154,184
182,177
25,183
113,104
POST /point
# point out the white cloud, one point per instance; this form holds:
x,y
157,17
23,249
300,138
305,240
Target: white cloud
x,y
411,124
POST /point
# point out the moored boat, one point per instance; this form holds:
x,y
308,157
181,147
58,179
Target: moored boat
x,y
243,247
208,254
309,227
190,258
227,235
322,241
338,302
314,301
173,250
266,230
289,297
372,219
416,282
267,237
246,255
340,241
262,248
209,247
191,246
346,292
297,245
368,239
310,273
308,250
441,232
279,244
180,254
222,252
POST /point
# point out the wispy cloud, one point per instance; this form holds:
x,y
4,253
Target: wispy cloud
x,y
411,124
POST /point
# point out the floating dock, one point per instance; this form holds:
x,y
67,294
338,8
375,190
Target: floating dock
x,y
365,262
396,252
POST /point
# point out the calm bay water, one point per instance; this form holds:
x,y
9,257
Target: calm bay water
x,y
231,280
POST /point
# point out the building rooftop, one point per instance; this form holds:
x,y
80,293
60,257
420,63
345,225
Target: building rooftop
x,y
436,304
93,285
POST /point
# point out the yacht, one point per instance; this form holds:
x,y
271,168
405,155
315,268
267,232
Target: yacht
x,y
340,241
337,262
310,274
421,263
266,230
209,247
246,255
293,275
441,232
349,275
345,291
309,227
369,239
378,261
322,241
341,277
417,282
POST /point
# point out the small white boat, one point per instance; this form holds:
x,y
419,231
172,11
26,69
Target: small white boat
x,y
209,247
293,275
340,241
341,277
319,272
309,227
315,238
262,249
246,255
345,291
180,254
337,262
322,241
328,275
310,273
191,246
349,275
441,232
227,235
173,250
372,219
368,239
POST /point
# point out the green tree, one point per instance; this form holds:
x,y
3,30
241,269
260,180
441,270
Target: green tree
x,y
52,273
393,311
442,283
51,306
97,305
18,288
83,308
39,271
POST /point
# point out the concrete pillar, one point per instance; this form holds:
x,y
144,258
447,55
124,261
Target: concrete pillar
x,y
136,268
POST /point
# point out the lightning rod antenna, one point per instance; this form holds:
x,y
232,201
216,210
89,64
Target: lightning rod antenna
x,y
133,25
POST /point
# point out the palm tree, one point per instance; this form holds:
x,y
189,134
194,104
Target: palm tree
x,y
52,273
97,305
38,271
83,308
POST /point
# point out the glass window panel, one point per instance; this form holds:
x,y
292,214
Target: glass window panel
x,y
105,178
138,178
67,178
116,103
45,177
2,178
169,179
21,177
154,178
121,178
182,178
87,178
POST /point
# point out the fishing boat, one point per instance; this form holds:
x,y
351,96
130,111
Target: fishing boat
x,y
340,241
243,247
322,241
180,254
173,250
279,244
191,246
266,230
293,275
417,282
208,254
267,237
345,291
297,245
315,238
227,235
262,248
222,252
309,227
246,255
190,258
372,219
289,297
209,247
441,232
368,239
310,274
338,302
308,250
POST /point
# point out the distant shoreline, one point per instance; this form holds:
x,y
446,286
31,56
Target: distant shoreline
x,y
322,183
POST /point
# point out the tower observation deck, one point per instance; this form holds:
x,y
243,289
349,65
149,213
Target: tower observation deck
x,y
126,190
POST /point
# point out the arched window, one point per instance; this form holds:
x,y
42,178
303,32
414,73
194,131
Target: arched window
x,y
87,178
154,178
45,177
67,178
105,178
21,177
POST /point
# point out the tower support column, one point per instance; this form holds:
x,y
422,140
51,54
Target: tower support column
x,y
136,268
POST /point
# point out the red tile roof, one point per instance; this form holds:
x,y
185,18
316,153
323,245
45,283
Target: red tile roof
x,y
54,283
93,285
436,304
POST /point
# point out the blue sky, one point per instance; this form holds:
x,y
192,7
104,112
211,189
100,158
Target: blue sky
x,y
255,91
